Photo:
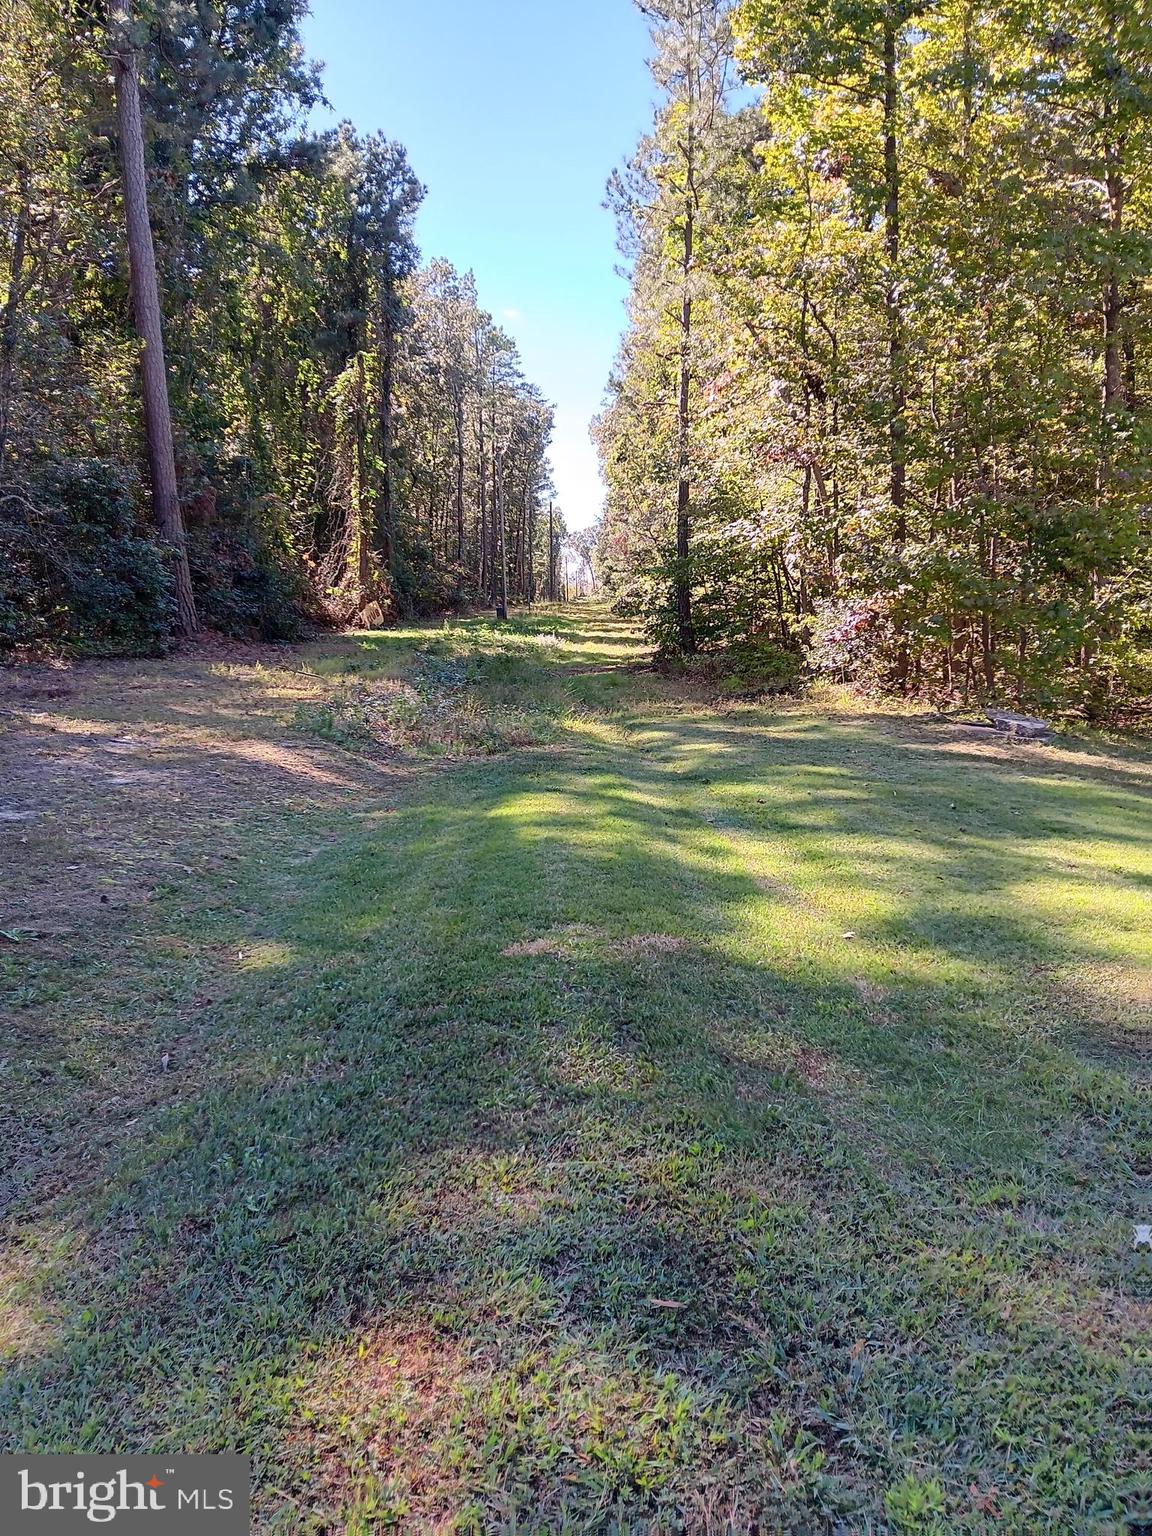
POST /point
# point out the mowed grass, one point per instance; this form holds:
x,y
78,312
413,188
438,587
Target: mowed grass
x,y
692,1117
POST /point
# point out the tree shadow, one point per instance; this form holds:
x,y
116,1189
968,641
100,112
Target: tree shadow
x,y
760,1217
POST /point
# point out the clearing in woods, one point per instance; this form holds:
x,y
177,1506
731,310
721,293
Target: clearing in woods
x,y
500,1088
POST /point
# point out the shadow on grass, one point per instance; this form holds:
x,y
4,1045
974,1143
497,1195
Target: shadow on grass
x,y
695,1206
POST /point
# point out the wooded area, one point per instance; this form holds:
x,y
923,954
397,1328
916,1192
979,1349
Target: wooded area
x,y
508,1069
884,398
339,434
881,411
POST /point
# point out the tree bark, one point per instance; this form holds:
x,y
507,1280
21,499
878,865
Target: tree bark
x,y
146,310
8,321
494,521
897,361
530,550
385,524
458,421
1115,391
550,584
685,631
501,537
364,512
482,508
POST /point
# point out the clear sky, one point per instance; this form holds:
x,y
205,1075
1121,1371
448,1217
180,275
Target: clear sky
x,y
513,112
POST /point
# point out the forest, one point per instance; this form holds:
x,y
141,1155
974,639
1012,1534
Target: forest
x,y
347,436
884,404
880,414
673,1062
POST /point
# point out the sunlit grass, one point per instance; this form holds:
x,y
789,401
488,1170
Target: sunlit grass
x,y
708,1114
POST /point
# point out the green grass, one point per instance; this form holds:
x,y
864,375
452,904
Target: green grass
x,y
712,1117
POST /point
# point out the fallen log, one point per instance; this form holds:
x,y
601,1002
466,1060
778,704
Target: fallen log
x,y
1026,727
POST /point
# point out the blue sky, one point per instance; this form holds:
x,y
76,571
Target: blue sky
x,y
513,112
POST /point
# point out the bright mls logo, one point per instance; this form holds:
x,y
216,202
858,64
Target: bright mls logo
x,y
153,1494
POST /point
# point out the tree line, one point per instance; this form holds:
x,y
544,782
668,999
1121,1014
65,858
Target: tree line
x,y
883,399
230,395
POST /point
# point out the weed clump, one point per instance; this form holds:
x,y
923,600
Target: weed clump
x,y
444,709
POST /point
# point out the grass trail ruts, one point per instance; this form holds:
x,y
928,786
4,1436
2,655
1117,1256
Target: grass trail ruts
x,y
501,1090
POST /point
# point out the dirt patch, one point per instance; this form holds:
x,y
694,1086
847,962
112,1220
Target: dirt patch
x,y
813,1066
789,895
1108,1323
650,944
561,941
378,1400
128,772
128,788
566,941
875,999
528,947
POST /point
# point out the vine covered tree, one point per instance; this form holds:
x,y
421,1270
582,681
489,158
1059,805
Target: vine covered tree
x,y
325,431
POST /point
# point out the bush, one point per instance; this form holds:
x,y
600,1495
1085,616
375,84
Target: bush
x,y
75,573
755,665
735,595
245,582
759,664
425,589
853,641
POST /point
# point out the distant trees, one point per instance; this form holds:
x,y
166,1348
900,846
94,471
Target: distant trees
x,y
345,427
920,336
478,459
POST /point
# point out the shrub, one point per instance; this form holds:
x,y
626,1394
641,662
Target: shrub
x,y
759,664
452,706
245,581
853,641
74,572
425,589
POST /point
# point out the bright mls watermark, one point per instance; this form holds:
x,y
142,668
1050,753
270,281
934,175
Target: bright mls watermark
x,y
146,1494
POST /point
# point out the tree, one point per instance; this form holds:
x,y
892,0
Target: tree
x,y
146,308
332,409
920,432
661,199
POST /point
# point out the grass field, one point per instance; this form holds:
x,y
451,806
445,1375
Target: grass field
x,y
502,1090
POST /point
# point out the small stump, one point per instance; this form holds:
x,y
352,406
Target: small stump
x,y
1022,726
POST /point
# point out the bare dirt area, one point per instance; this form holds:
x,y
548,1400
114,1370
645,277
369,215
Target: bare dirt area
x,y
116,773
132,791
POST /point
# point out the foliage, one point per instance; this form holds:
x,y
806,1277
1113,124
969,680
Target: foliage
x,y
452,703
247,584
920,405
77,574
347,425
758,664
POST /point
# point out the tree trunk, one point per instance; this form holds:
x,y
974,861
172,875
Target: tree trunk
x,y
550,583
458,415
494,522
501,537
481,504
897,362
146,309
364,515
530,551
685,632
1115,393
8,320
385,523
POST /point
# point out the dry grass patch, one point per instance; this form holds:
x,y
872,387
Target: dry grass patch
x,y
372,1411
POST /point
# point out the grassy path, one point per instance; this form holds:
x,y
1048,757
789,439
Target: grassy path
x,y
690,1117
